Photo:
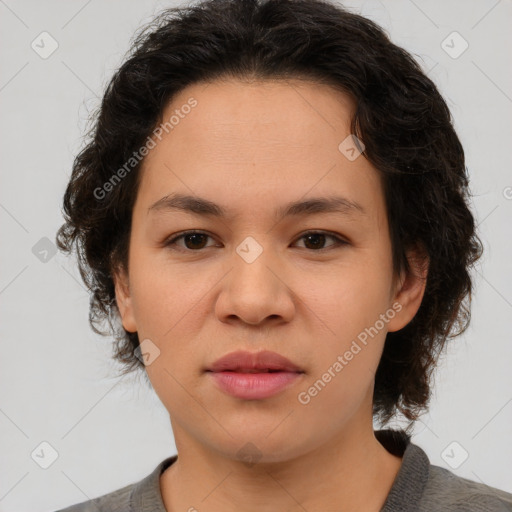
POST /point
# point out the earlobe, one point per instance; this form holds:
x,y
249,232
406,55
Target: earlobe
x,y
124,300
410,290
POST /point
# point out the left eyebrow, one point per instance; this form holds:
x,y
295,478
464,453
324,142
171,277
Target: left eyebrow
x,y
204,207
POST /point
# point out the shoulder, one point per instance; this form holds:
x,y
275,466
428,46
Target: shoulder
x,y
118,500
445,490
141,496
424,487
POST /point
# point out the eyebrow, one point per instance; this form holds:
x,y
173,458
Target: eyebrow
x,y
204,207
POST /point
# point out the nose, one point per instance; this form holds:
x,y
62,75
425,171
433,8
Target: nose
x,y
255,292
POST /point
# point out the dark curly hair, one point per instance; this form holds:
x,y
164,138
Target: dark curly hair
x,y
400,116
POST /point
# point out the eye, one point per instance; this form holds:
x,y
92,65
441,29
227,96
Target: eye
x,y
315,239
193,240
196,240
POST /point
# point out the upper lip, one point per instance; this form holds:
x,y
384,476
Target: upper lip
x,y
243,360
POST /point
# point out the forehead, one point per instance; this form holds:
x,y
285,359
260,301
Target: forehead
x,y
280,112
268,143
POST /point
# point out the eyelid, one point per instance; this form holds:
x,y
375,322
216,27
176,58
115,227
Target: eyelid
x,y
339,240
173,238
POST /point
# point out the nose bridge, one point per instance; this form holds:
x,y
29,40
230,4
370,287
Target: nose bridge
x,y
252,263
254,290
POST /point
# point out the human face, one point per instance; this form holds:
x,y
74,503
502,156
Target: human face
x,y
252,149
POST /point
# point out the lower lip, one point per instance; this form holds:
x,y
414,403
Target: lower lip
x,y
254,386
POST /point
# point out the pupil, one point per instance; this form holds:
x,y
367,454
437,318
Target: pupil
x,y
315,236
194,237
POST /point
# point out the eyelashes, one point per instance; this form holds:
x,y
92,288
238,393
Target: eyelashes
x,y
195,237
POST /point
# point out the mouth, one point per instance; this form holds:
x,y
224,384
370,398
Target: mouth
x,y
254,376
253,370
259,362
254,384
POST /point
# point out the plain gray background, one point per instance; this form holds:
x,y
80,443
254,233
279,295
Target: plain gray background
x,y
57,381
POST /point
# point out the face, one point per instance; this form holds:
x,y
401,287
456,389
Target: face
x,y
311,283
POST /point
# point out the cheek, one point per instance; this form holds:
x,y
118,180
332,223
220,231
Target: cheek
x,y
351,311
162,295
176,390
345,362
348,299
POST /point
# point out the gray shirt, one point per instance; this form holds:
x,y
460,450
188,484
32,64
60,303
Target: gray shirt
x,y
418,487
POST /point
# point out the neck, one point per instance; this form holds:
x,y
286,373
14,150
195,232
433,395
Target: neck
x,y
351,472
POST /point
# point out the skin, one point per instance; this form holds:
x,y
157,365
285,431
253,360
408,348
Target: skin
x,y
250,147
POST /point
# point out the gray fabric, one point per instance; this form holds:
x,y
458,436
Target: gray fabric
x,y
418,487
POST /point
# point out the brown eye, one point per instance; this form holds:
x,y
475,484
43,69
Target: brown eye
x,y
195,240
315,240
192,240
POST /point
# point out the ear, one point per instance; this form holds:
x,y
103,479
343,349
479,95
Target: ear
x,y
409,289
124,300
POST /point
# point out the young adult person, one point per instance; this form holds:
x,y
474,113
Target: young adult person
x,y
274,205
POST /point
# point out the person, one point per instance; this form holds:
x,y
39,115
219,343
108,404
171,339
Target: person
x,y
274,205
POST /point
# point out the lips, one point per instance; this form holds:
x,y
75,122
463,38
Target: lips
x,y
259,362
254,376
